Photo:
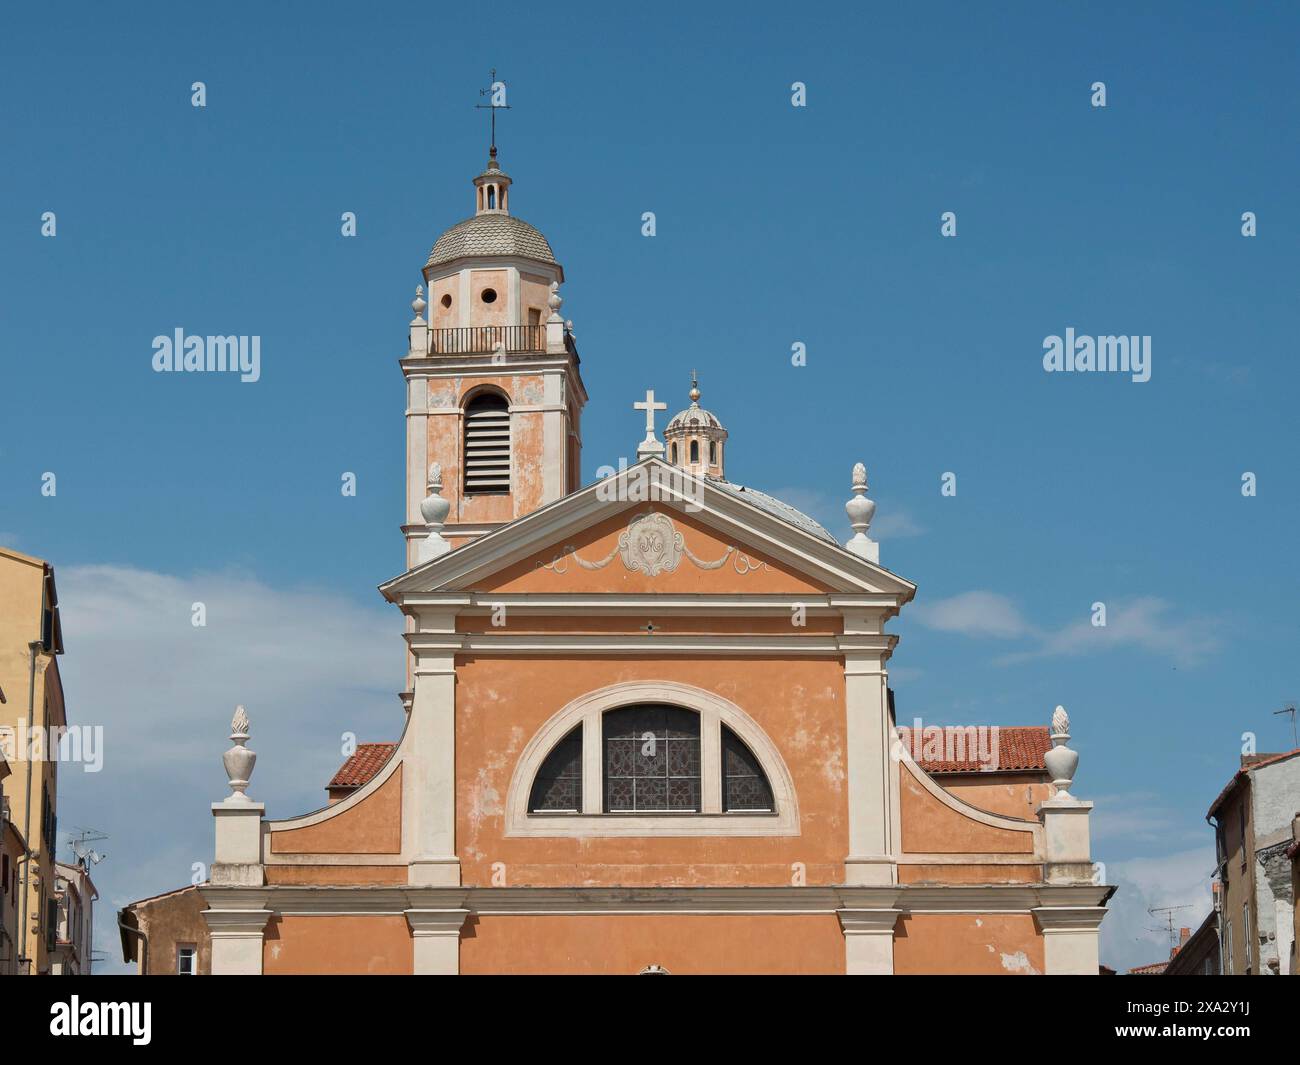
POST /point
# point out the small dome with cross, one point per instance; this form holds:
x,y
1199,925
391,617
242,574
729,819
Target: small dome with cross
x,y
695,437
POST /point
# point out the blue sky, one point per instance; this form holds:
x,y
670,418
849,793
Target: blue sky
x,y
775,224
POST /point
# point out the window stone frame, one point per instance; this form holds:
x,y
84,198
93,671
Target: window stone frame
x,y
714,711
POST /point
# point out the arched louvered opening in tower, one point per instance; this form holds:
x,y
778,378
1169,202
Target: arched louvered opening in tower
x,y
487,445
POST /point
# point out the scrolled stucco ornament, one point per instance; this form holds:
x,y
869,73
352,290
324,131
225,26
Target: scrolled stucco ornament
x,y
652,545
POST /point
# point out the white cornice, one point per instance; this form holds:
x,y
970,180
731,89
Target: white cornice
x,y
733,517
477,603
1058,906
658,644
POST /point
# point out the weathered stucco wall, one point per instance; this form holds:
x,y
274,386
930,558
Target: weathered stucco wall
x,y
614,944
501,703
968,945
375,945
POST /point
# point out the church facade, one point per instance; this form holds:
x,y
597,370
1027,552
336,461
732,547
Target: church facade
x,y
648,726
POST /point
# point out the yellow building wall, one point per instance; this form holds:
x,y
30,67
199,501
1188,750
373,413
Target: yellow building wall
x,y
22,600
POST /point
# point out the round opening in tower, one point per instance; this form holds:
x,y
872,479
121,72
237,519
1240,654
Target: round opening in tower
x,y
489,295
446,300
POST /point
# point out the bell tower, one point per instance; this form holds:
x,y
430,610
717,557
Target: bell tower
x,y
494,393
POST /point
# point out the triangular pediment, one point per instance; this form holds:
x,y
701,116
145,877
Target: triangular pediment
x,y
683,536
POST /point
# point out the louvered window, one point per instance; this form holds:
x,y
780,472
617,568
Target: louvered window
x,y
487,445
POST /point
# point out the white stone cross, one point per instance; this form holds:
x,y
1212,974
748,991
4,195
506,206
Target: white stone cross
x,y
649,446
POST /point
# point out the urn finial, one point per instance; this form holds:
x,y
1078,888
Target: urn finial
x,y
434,509
861,510
1061,761
239,760
418,305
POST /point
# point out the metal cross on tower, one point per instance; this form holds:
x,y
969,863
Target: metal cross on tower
x,y
494,92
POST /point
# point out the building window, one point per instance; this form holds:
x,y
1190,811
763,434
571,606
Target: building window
x,y
695,451
651,763
713,452
487,445
1245,931
744,787
652,760
187,960
489,295
672,453
1227,947
558,787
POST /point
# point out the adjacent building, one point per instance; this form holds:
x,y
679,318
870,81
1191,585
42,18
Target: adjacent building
x,y
13,848
166,935
1197,953
72,950
32,719
1253,818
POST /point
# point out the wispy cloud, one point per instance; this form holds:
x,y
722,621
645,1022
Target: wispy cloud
x,y
1142,817
978,614
309,665
1131,935
1147,624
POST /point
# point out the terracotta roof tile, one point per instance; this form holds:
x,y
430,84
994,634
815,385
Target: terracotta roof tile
x,y
365,762
1005,748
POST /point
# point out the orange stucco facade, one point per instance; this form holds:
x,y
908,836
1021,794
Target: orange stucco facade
x,y
537,609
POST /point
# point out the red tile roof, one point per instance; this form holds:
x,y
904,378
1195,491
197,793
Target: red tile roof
x,y
1155,969
365,762
1012,748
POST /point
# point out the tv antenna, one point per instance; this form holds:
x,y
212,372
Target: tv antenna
x,y
1168,926
80,844
1289,709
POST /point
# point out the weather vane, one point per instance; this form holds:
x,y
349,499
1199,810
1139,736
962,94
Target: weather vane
x,y
496,94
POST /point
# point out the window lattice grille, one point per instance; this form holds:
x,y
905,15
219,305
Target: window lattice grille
x,y
652,760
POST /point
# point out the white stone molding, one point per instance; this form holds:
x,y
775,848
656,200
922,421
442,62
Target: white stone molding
x,y
1070,939
869,941
435,936
236,920
872,794
587,710
735,519
983,817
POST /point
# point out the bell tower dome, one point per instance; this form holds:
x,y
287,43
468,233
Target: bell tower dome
x,y
494,390
695,439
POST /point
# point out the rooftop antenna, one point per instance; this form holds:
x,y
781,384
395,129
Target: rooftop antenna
x,y
80,844
1289,709
494,92
1168,927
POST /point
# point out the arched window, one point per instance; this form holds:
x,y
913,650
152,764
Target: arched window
x,y
625,766
744,785
651,756
713,452
487,445
558,787
672,453
695,451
